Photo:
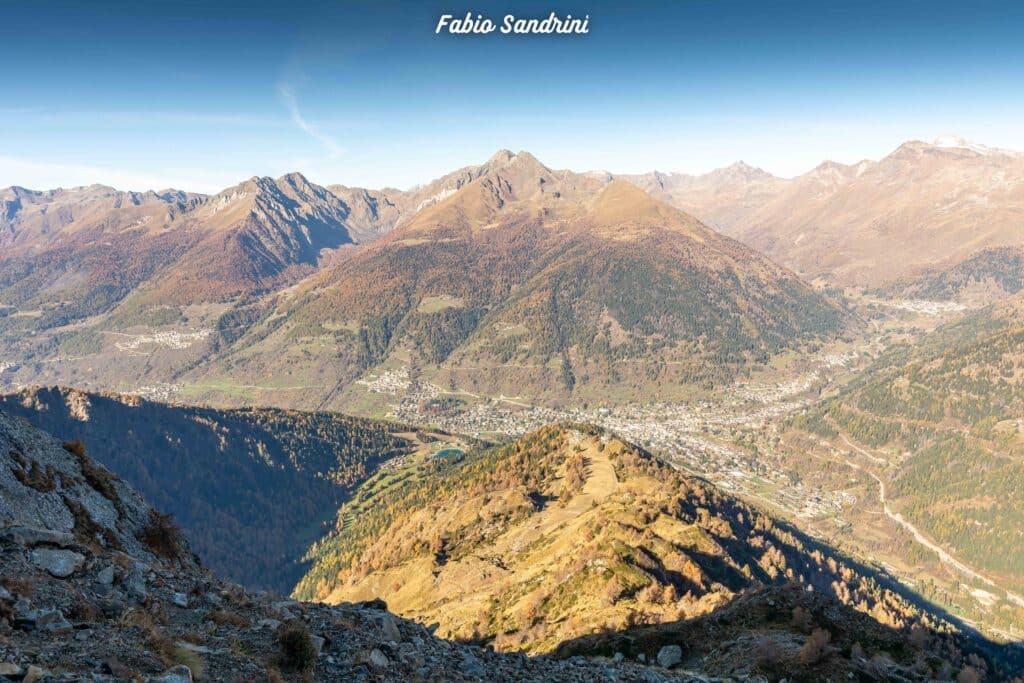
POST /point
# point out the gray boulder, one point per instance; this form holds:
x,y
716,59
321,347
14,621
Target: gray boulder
x,y
59,563
105,576
135,583
389,628
669,656
11,670
33,536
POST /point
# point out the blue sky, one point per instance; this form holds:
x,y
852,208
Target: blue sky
x,y
200,95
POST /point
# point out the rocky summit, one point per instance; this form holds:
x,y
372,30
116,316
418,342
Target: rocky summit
x,y
97,586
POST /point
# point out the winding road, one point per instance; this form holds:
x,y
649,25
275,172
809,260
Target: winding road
x,y
944,556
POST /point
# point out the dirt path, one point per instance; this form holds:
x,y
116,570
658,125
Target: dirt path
x,y
527,549
918,535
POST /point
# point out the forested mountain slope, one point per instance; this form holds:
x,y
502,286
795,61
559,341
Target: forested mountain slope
x,y
251,487
529,278
987,276
943,419
81,552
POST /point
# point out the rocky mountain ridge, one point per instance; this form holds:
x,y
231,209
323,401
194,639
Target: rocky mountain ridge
x,y
96,586
921,207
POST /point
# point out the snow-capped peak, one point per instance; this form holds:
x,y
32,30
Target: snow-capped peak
x,y
959,142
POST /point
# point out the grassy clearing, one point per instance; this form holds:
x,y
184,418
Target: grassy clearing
x,y
436,304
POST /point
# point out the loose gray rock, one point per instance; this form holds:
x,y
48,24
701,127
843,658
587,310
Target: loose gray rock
x,y
389,628
272,624
374,658
34,674
23,611
198,649
105,577
59,563
472,668
318,644
411,655
135,584
33,536
669,656
180,599
53,621
178,674
11,670
284,609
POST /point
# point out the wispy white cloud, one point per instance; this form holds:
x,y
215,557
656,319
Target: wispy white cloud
x,y
329,144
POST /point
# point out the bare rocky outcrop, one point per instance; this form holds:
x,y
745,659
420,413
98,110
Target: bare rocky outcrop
x,y
52,493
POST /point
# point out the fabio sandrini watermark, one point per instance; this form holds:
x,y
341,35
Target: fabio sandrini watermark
x,y
511,24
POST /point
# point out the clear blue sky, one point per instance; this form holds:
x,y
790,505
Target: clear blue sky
x,y
200,95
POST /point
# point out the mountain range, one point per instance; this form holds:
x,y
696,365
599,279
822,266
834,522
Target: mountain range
x,y
921,207
505,276
528,278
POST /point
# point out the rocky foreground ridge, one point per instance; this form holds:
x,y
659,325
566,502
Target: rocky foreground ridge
x,y
97,586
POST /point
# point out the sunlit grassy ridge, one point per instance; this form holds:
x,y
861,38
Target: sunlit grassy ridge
x,y
564,532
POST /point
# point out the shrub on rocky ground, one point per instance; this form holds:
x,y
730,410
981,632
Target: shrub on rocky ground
x,y
815,647
162,536
297,650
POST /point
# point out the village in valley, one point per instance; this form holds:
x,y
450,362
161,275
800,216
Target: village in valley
x,y
706,438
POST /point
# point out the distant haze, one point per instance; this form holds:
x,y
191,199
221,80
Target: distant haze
x,y
146,96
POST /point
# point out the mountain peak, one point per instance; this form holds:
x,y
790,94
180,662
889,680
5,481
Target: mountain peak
x,y
294,178
622,202
829,166
953,141
624,191
951,144
266,185
741,171
504,158
501,157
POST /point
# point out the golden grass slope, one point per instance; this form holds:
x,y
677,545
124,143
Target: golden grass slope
x,y
566,532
